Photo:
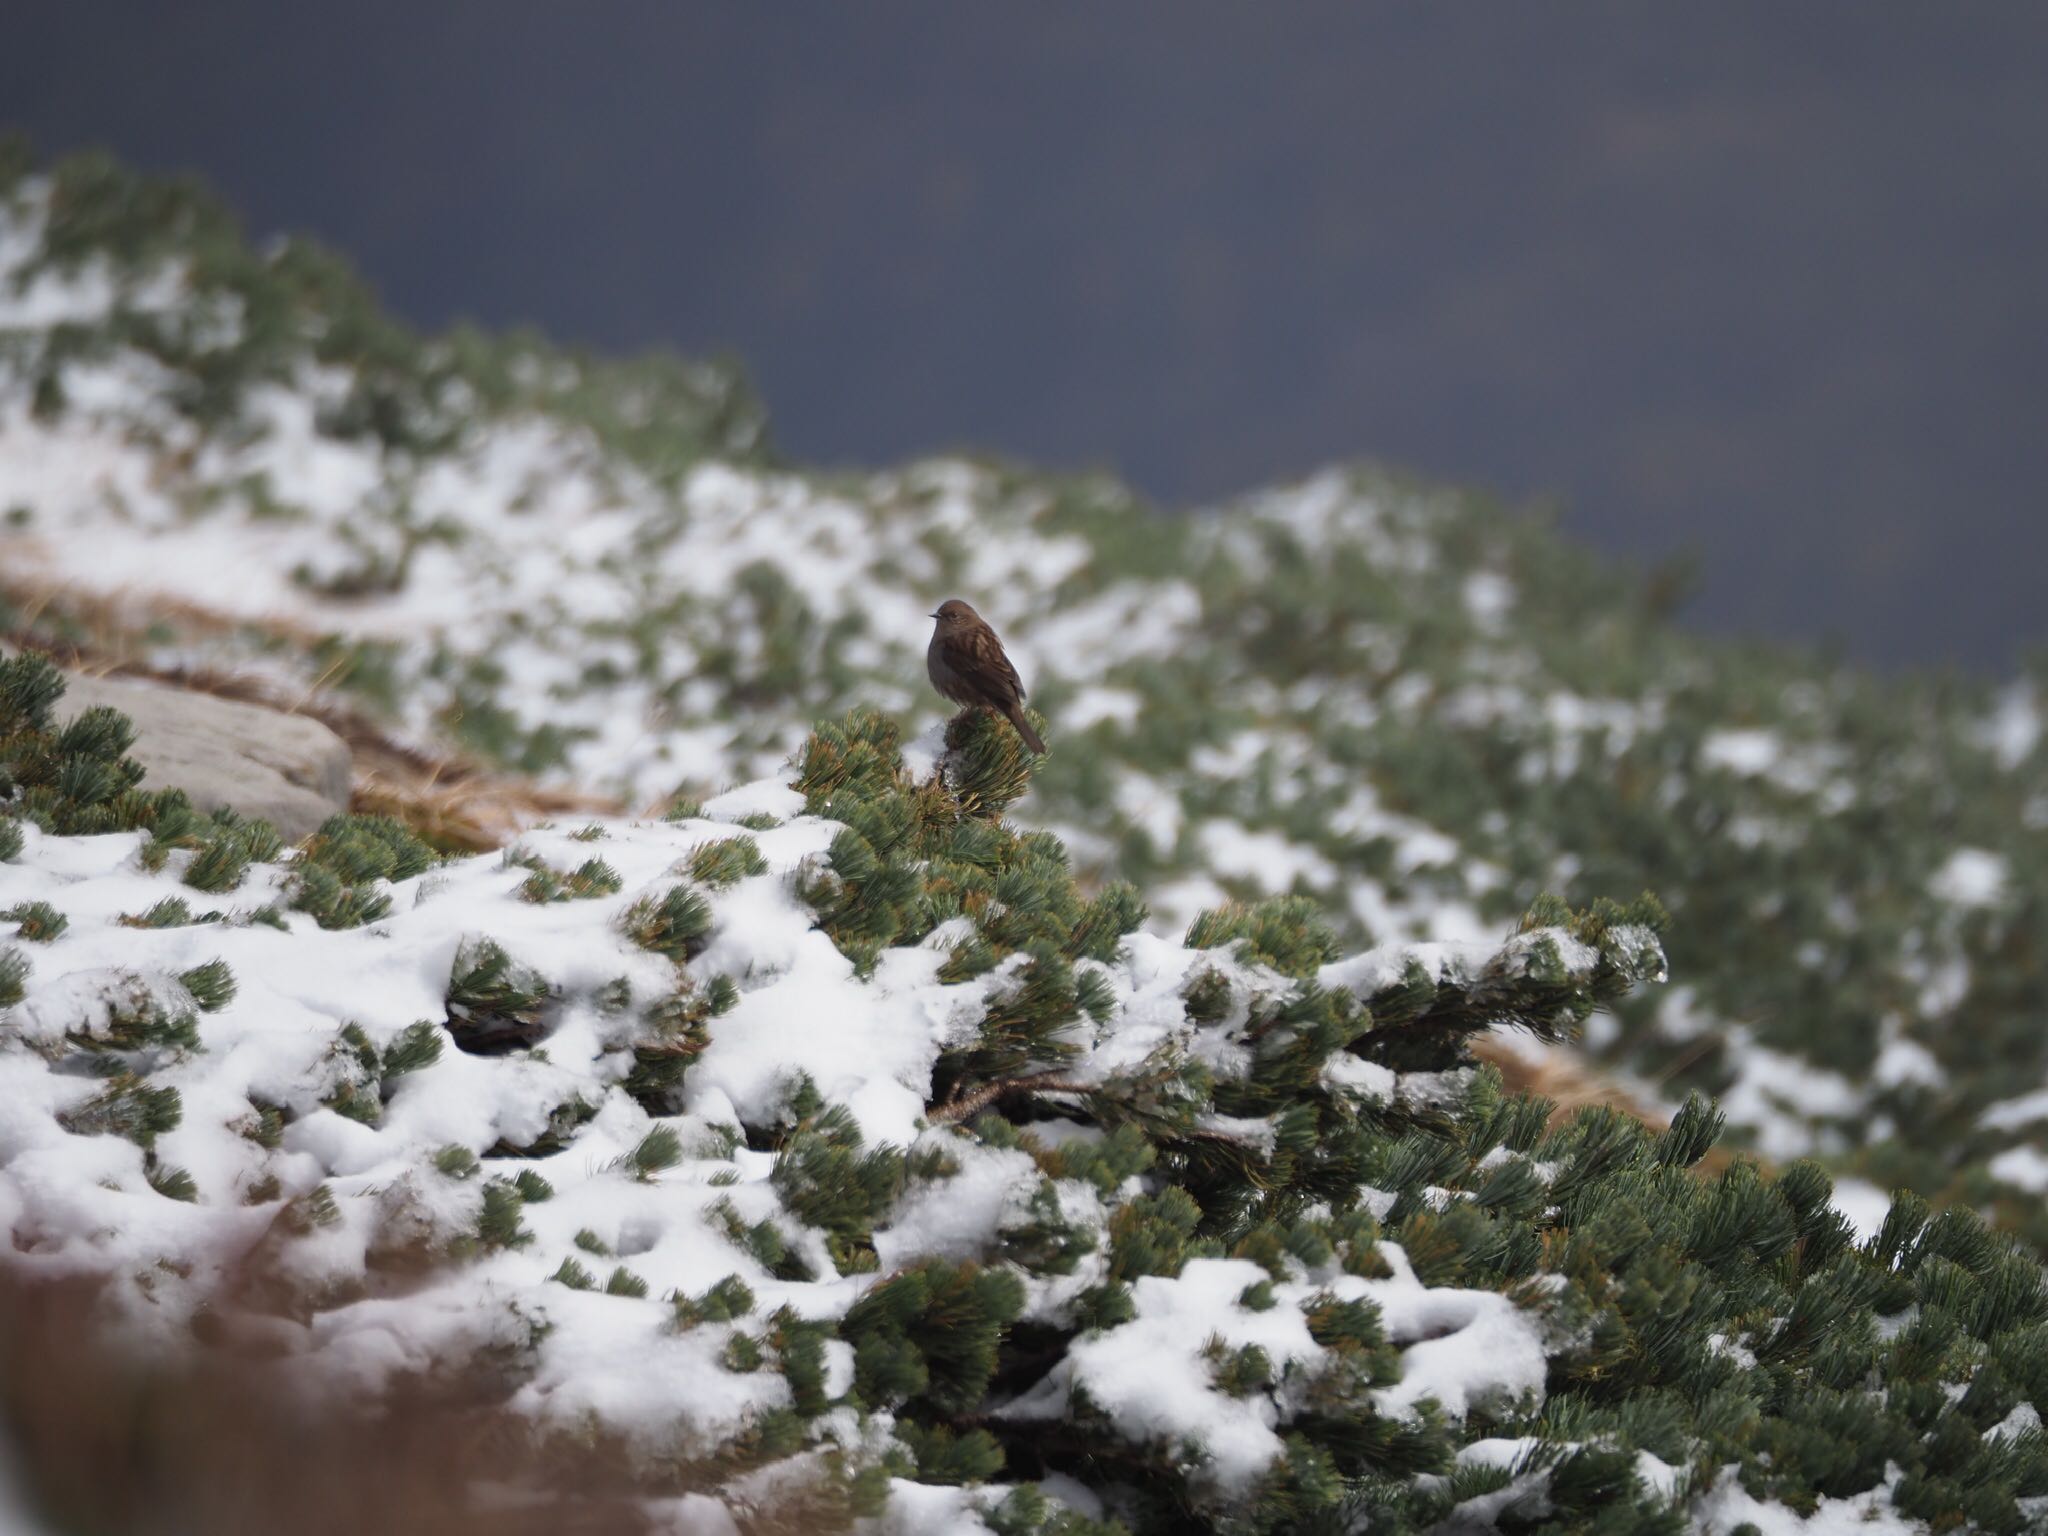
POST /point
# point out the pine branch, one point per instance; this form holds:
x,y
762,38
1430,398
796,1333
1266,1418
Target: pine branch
x,y
962,1105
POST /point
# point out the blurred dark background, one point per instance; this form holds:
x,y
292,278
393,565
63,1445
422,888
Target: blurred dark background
x,y
1762,281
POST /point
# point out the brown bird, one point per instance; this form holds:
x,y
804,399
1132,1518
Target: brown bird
x,y
966,663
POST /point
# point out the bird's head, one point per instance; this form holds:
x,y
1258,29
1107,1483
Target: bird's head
x,y
954,614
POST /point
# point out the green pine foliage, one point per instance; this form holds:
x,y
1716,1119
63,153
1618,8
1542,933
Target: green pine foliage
x,y
533,1189
828,1179
721,864
948,1459
624,1282
730,1299
311,1212
671,1034
1429,697
365,1078
494,1002
37,921
212,985
590,879
671,1030
498,1224
128,1107
675,924
14,970
661,1148
173,1183
340,875
1318,1116
456,1162
929,1337
74,778
223,851
139,1017
1308,1118
574,1276
1659,1281
1288,934
170,912
416,1047
988,767
408,393
913,856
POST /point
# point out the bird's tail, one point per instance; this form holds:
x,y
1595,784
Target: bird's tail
x,y
1023,725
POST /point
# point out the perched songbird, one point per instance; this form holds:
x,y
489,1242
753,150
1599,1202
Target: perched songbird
x,y
966,663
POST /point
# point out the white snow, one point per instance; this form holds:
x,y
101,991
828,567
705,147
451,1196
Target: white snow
x,y
1972,877
1864,1204
2009,1114
1416,845
763,798
1488,598
1461,1349
82,1204
1150,1376
85,292
1778,1097
2013,729
1902,1062
1747,753
1726,1506
1150,807
608,603
2024,1167
1092,706
1525,1494
2022,1420
1266,859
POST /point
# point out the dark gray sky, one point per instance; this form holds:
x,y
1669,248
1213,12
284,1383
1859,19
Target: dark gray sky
x,y
1765,281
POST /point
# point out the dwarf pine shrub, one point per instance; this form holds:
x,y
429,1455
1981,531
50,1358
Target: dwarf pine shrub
x,y
1711,1320
1425,698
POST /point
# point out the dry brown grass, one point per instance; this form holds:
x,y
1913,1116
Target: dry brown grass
x,y
1568,1081
215,1446
1573,1083
112,620
453,801
230,1437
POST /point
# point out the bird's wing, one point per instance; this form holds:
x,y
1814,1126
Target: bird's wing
x,y
994,664
984,673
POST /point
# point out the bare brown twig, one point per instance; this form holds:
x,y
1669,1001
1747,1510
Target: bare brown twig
x,y
962,1105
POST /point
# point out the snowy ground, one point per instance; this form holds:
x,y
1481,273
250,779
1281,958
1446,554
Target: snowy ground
x,y
1352,688
312,1167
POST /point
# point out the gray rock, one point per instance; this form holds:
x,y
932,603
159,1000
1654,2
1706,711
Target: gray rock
x,y
287,769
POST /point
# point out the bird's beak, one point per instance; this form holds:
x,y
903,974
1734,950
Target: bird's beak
x,y
933,614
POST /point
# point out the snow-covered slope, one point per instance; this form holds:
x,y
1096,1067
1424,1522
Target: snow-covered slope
x,y
822,1154
221,1108
1399,700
